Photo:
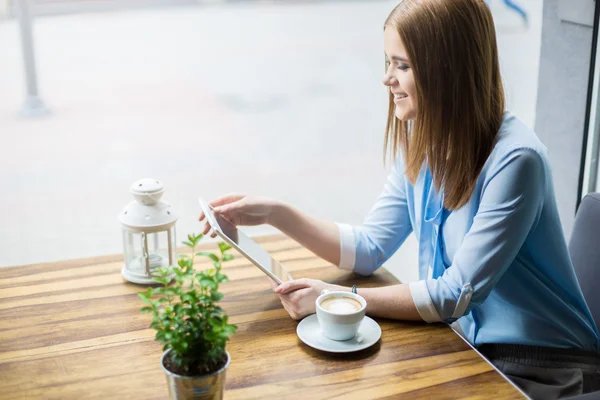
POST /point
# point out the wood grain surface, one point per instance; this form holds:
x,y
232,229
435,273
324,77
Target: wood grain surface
x,y
73,330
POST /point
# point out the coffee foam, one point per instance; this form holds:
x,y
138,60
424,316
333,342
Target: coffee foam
x,y
341,305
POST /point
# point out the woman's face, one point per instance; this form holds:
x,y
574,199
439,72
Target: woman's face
x,y
399,76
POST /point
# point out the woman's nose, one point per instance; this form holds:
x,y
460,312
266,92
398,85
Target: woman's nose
x,y
388,80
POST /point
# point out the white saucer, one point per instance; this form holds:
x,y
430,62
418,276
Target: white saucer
x,y
309,332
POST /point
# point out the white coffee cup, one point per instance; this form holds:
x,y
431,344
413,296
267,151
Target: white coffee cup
x,y
340,322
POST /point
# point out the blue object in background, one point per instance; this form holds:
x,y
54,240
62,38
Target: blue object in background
x,y
514,6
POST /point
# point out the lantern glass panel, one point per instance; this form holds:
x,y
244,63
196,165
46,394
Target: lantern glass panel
x,y
133,250
158,249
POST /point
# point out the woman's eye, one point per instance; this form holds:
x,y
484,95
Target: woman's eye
x,y
403,67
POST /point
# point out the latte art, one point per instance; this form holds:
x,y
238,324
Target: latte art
x,y
341,305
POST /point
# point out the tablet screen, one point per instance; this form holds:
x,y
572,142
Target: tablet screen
x,y
248,247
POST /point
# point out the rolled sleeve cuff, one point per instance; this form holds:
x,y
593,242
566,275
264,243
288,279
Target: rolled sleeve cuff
x,y
347,247
422,300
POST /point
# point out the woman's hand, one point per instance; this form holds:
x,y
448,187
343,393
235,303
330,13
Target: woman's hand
x,y
298,296
241,209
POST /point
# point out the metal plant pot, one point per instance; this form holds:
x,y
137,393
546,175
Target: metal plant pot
x,y
203,387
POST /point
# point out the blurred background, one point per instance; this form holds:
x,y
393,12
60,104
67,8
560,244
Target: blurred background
x,y
275,98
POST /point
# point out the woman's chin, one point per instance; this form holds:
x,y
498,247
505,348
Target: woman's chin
x,y
403,115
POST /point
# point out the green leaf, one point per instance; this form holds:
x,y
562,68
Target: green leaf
x,y
221,277
144,298
189,297
162,280
230,329
182,262
227,257
172,290
209,283
216,296
196,238
178,309
188,244
209,255
201,275
146,309
178,272
224,247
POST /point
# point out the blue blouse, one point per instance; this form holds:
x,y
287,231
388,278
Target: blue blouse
x,y
499,265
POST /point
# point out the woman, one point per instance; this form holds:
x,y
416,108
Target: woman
x,y
474,184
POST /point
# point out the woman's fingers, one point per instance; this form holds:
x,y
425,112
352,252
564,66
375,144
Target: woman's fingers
x,y
291,308
236,213
218,205
272,282
299,296
229,198
207,229
231,211
290,286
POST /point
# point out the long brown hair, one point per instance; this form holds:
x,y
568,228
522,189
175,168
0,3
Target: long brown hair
x,y
452,48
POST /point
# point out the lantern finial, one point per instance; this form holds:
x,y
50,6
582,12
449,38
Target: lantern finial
x,y
147,191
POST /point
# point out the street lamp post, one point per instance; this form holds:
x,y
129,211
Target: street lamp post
x,y
33,105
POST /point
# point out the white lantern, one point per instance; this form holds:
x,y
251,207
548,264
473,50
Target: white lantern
x,y
148,232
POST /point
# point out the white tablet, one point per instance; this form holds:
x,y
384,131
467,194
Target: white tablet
x,y
246,246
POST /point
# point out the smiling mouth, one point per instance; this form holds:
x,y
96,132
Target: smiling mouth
x,y
400,96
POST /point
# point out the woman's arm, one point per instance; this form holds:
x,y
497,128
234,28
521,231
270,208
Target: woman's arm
x,y
363,248
320,237
394,302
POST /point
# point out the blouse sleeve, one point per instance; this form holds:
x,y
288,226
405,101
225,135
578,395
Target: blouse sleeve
x,y
365,248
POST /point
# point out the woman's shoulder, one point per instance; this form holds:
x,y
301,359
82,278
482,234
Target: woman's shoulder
x,y
517,145
514,134
514,137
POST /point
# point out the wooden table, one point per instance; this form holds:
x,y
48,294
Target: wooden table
x,y
72,330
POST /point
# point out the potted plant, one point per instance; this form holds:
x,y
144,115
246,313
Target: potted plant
x,y
191,326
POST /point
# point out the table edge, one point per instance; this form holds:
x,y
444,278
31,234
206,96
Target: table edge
x,y
489,362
